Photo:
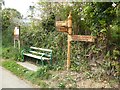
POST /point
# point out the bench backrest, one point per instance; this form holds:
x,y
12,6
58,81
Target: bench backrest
x,y
41,51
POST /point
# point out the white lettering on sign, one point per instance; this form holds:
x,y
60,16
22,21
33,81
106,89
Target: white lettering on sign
x,y
63,29
85,38
61,24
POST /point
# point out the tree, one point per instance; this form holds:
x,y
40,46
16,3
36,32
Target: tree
x,y
8,17
1,3
102,18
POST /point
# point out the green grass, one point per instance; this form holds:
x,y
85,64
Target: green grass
x,y
0,55
24,73
0,51
15,68
11,53
0,63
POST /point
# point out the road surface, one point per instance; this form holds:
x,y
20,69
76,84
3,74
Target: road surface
x,y
8,80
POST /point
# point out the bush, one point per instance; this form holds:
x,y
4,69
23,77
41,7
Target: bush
x,y
61,85
43,73
11,53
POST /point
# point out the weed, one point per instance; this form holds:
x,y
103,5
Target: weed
x,y
43,73
42,84
61,85
11,53
83,66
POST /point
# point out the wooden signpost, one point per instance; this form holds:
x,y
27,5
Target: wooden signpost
x,y
66,26
62,24
63,29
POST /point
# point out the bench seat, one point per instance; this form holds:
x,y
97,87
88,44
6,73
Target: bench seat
x,y
38,53
35,56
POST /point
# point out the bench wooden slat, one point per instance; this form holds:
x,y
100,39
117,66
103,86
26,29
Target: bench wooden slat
x,y
36,52
39,53
41,49
35,56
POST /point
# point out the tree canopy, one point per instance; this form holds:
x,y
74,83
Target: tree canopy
x,y
8,17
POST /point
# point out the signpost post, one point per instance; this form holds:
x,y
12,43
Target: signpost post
x,y
66,26
69,41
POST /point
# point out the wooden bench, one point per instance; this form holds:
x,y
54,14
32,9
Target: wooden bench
x,y
38,53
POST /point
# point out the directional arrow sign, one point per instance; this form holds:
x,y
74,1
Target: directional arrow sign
x,y
63,29
85,38
61,24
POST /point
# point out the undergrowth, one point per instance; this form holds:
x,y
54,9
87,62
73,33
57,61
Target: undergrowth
x,y
11,53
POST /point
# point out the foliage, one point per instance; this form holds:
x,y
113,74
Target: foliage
x,y
100,20
48,24
12,53
42,72
111,68
61,85
8,17
7,37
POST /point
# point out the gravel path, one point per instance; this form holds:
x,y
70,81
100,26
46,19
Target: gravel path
x,y
8,80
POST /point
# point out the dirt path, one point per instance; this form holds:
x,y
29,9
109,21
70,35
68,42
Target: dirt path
x,y
8,80
28,65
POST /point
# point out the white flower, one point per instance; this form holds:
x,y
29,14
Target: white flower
x,y
113,4
82,19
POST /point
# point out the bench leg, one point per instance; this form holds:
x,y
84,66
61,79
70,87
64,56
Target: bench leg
x,y
37,62
50,61
14,43
42,62
23,58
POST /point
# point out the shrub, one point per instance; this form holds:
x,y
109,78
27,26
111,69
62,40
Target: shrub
x,y
43,73
11,53
61,85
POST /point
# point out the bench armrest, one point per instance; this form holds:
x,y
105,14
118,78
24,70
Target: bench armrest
x,y
43,55
42,59
22,53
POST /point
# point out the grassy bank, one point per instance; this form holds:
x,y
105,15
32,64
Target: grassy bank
x,y
33,77
46,77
